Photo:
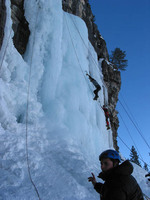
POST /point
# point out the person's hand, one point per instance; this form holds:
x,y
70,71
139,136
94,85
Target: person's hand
x,y
92,179
86,73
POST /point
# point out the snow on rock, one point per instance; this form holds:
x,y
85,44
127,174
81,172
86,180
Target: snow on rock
x,y
66,129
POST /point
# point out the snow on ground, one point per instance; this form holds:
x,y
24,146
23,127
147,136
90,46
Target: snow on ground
x,y
66,128
140,173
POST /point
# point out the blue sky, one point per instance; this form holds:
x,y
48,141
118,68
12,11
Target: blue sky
x,y
126,24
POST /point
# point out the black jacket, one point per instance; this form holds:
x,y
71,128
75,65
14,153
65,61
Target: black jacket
x,y
119,184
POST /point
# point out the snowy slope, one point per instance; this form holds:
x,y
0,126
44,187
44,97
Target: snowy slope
x,y
140,173
47,101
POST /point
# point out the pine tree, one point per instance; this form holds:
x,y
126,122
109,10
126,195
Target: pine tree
x,y
117,58
145,167
134,156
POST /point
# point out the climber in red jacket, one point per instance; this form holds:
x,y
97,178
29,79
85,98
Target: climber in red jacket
x,y
106,116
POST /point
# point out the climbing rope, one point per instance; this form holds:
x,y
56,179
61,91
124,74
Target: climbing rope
x,y
27,108
74,47
27,112
95,64
83,41
134,124
130,149
78,59
93,59
124,143
130,135
132,140
129,110
98,68
77,54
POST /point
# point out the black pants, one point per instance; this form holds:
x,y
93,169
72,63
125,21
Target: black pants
x,y
96,91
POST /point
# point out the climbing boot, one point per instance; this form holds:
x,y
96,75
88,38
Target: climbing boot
x,y
95,98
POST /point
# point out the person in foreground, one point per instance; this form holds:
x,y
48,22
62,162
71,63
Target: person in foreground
x,y
119,183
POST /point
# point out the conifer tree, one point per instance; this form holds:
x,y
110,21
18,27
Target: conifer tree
x,y
134,156
117,58
145,167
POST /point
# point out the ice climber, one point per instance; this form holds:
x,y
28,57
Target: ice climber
x,y
95,83
106,116
119,183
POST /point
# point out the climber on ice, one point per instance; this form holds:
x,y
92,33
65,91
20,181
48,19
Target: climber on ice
x,y
106,116
95,83
119,183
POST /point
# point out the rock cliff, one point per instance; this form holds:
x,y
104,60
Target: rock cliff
x,y
20,25
2,20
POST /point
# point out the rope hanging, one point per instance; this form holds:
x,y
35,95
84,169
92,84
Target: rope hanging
x,y
27,112
119,100
77,54
129,148
130,134
97,67
79,60
93,59
27,153
135,125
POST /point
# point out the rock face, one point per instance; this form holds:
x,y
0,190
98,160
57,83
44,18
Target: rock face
x,y
112,77
2,20
20,25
